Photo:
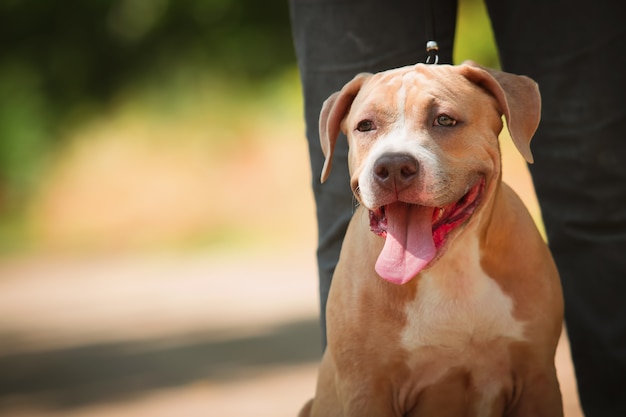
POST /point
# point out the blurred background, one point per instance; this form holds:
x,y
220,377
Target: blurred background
x,y
157,229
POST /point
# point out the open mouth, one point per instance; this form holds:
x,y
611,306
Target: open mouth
x,y
413,234
444,219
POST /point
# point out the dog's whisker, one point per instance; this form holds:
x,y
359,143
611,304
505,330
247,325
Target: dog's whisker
x,y
355,204
355,201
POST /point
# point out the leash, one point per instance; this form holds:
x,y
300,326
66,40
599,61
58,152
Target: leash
x,y
431,46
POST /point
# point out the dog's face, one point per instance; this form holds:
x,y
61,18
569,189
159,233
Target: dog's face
x,y
424,153
422,135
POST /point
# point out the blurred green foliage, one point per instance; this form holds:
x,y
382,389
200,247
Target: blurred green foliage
x,y
61,62
474,38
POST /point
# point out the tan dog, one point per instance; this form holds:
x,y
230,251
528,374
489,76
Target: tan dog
x,y
446,300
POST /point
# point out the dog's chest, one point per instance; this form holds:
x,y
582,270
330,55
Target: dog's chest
x,y
458,306
461,321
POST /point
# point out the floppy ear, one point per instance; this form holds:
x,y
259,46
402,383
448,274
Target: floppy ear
x,y
519,100
334,109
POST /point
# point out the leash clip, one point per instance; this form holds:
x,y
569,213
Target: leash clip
x,y
431,49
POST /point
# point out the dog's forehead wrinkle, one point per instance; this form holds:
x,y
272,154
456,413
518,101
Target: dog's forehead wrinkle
x,y
402,96
374,102
441,85
377,112
401,101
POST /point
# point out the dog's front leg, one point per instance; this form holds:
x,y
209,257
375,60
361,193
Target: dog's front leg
x,y
326,402
375,403
540,397
353,394
369,392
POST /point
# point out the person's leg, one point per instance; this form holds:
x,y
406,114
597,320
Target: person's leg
x,y
576,51
335,40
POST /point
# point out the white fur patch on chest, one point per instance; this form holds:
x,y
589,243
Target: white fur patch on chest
x,y
458,305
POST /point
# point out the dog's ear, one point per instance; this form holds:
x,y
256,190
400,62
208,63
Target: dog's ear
x,y
334,109
519,100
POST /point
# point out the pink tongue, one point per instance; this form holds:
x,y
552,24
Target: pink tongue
x,y
409,244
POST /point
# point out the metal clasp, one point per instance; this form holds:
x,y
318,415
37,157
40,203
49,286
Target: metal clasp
x,y
431,50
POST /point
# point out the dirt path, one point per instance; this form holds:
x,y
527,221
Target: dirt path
x,y
165,335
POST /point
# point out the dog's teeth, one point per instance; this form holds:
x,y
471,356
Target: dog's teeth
x,y
441,210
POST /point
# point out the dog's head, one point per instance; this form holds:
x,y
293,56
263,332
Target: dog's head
x,y
424,150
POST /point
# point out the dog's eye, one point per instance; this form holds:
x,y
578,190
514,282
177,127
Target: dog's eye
x,y
444,120
365,126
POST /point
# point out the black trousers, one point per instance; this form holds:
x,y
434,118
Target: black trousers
x,y
576,51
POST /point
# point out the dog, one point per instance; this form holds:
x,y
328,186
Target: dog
x,y
446,300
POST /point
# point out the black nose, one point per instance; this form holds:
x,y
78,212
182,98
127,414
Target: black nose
x,y
395,170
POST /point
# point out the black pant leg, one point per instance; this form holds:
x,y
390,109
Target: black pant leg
x,y
335,40
576,51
